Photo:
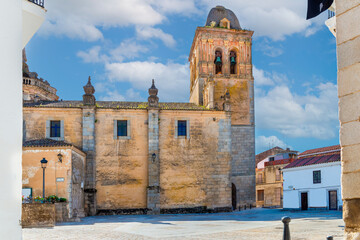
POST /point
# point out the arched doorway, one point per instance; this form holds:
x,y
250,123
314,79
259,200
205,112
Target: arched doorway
x,y
233,196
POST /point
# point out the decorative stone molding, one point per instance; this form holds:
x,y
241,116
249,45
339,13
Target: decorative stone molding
x,y
88,97
153,99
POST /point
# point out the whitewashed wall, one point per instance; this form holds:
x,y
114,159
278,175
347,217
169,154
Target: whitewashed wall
x,y
11,118
301,179
11,45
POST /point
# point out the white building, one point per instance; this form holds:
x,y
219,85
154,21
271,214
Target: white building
x,y
19,20
314,180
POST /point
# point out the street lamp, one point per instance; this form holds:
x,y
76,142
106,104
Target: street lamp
x,y
60,157
43,166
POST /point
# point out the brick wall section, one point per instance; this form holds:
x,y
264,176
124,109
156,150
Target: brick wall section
x,y
88,134
243,163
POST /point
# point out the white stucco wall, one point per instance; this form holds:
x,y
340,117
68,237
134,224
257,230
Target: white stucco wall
x,y
12,34
11,118
300,179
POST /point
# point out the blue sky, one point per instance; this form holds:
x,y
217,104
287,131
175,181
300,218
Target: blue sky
x,y
123,44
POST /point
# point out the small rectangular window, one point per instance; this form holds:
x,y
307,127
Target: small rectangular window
x,y
55,127
181,128
122,128
278,175
278,194
260,195
317,176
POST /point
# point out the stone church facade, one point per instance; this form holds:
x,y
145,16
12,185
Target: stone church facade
x,y
157,157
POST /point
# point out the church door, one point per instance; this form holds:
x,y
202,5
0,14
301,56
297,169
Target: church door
x,y
233,196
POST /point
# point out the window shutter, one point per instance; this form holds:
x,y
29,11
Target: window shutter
x,y
128,129
47,129
188,129
115,129
62,136
176,129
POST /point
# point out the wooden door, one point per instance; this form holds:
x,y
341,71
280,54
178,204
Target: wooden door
x,y
304,201
333,200
233,196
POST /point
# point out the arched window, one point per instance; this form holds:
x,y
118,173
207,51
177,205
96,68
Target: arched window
x,y
218,62
232,62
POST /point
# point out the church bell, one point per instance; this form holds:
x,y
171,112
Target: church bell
x,y
218,60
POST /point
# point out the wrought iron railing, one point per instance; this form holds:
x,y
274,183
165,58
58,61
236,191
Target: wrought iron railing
x,y
331,14
38,2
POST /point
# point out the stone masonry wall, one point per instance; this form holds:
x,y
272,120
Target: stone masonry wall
x,y
194,170
243,163
35,121
88,143
348,54
38,215
121,164
153,190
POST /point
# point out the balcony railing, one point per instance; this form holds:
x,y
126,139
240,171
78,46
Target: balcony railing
x,y
38,83
38,2
331,14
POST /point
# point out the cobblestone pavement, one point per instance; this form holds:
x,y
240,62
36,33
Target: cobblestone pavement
x,y
250,224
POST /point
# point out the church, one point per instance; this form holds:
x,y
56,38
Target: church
x,y
111,157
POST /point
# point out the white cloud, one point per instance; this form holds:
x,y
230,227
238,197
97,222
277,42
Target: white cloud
x,y
82,19
298,115
260,79
127,49
85,19
263,143
92,55
114,95
185,7
273,18
153,33
172,79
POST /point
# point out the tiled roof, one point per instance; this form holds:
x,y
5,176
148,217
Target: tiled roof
x,y
46,142
316,159
118,105
279,162
322,150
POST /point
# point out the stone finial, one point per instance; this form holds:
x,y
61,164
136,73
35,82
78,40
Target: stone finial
x,y
227,105
89,88
153,99
88,97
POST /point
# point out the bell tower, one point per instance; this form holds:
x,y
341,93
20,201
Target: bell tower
x,y
220,63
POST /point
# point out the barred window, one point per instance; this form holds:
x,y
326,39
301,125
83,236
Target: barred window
x,y
181,128
317,176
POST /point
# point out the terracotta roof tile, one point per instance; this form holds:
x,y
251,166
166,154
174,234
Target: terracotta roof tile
x,y
118,105
322,150
312,160
46,142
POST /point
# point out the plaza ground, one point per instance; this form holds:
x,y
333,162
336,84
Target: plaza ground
x,y
247,224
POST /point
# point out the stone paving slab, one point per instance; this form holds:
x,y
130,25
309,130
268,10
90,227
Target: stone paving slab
x,y
250,224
